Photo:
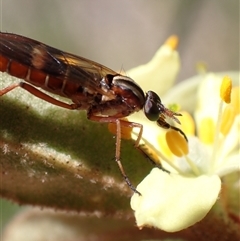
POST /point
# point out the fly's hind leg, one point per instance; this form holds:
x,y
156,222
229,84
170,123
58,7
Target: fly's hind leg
x,y
119,123
9,88
39,94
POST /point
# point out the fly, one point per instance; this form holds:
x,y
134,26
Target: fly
x,y
106,95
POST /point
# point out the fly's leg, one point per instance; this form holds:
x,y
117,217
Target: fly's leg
x,y
119,123
117,157
143,151
9,88
38,94
162,123
139,147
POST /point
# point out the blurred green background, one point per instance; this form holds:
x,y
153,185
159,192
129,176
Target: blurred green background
x,y
124,34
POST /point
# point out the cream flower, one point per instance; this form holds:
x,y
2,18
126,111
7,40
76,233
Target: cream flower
x,y
175,201
164,66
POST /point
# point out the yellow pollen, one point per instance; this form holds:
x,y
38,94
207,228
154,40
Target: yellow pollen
x,y
206,131
227,119
176,143
172,42
125,131
225,90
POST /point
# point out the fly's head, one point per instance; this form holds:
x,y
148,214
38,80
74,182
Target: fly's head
x,y
156,111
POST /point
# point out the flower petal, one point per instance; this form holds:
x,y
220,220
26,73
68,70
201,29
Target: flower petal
x,y
230,164
232,140
171,202
159,73
208,98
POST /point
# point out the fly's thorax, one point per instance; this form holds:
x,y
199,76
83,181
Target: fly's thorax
x,y
123,97
130,93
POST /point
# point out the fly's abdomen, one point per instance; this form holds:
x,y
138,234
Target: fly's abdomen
x,y
63,87
29,74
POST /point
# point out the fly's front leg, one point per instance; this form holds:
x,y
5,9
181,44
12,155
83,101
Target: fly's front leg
x,y
117,157
162,123
38,94
137,142
118,123
132,125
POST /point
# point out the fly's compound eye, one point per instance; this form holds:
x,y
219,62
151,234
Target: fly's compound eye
x,y
151,106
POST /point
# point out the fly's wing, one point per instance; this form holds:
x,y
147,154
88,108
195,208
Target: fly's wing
x,y
86,72
54,62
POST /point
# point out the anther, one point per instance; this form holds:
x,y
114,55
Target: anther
x,y
177,143
225,90
172,41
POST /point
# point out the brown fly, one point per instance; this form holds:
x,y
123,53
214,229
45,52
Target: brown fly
x,y
106,95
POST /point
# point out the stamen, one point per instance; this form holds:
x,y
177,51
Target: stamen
x,y
172,42
225,94
230,112
206,130
179,147
227,120
193,166
225,90
164,157
176,143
